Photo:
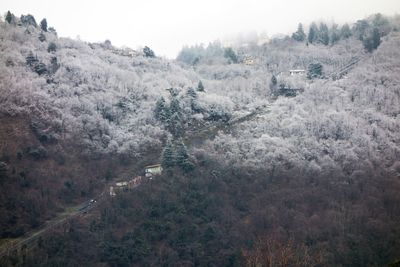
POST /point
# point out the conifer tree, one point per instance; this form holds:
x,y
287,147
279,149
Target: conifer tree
x,y
161,111
9,17
299,35
200,87
182,158
43,25
312,33
168,160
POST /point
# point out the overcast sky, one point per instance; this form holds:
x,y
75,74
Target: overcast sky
x,y
167,25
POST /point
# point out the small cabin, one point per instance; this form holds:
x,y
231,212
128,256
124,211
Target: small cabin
x,y
297,72
153,170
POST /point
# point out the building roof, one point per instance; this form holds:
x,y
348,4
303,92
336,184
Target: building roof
x,y
153,166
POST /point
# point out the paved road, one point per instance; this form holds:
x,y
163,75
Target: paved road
x,y
30,237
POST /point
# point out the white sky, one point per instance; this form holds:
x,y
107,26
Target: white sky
x,y
167,25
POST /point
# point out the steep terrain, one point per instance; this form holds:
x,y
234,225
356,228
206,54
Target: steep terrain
x,y
253,175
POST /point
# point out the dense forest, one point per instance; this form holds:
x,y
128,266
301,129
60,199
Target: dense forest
x,y
276,153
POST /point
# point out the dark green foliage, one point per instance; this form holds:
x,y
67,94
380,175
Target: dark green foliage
x,y
52,47
334,34
54,66
323,34
182,158
345,31
148,52
299,35
274,81
9,17
28,20
200,87
52,30
161,111
231,55
314,70
175,126
42,37
168,157
372,40
360,28
37,153
31,60
191,93
43,25
313,33
40,68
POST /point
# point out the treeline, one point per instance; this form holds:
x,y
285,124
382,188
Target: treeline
x,y
369,31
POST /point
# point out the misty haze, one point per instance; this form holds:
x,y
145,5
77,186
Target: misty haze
x,y
209,133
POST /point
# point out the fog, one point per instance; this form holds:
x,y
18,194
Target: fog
x,y
166,26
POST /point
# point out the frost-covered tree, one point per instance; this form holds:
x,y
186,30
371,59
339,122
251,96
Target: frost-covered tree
x,y
345,31
299,35
314,70
313,33
230,55
43,25
323,34
161,111
28,20
372,39
200,87
334,34
31,60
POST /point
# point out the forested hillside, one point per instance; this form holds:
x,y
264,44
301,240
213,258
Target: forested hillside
x,y
284,153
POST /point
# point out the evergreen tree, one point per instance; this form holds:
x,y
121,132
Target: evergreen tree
x,y
345,31
161,111
200,87
334,34
175,125
31,60
52,47
372,40
312,33
314,70
182,158
230,54
9,17
168,160
299,35
40,68
43,25
323,34
175,107
148,52
360,29
191,93
42,37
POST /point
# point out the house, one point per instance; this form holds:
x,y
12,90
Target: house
x,y
297,72
152,170
248,60
112,192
